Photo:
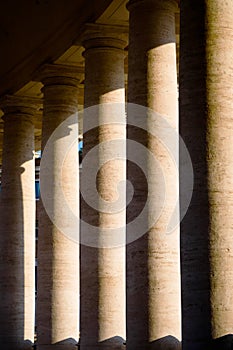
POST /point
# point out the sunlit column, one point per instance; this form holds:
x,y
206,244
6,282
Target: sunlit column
x,y
153,282
103,253
17,224
58,246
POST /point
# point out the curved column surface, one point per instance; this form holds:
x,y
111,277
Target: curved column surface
x,y
153,269
103,257
58,249
17,236
206,112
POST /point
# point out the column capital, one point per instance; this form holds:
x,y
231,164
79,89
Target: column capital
x,y
13,104
51,74
152,3
101,35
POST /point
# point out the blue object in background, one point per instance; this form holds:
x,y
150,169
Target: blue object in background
x,y
38,154
80,151
80,146
37,184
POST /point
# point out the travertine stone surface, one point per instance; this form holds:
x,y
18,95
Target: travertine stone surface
x,y
17,224
153,283
58,255
103,267
206,113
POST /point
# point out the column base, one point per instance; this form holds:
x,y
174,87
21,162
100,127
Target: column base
x,y
68,346
166,343
7,343
223,343
116,343
102,347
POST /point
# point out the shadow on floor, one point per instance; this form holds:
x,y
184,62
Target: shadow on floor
x,y
166,343
114,343
222,343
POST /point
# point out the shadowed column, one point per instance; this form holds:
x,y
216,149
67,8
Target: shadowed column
x,y
17,235
206,125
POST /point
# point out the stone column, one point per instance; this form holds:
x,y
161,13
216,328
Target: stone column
x,y
206,125
17,224
153,282
58,247
103,255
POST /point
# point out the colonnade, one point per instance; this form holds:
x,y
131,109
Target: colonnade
x,y
134,289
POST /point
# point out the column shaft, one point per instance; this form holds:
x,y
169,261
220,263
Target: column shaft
x,y
17,237
206,111
58,252
153,283
103,262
